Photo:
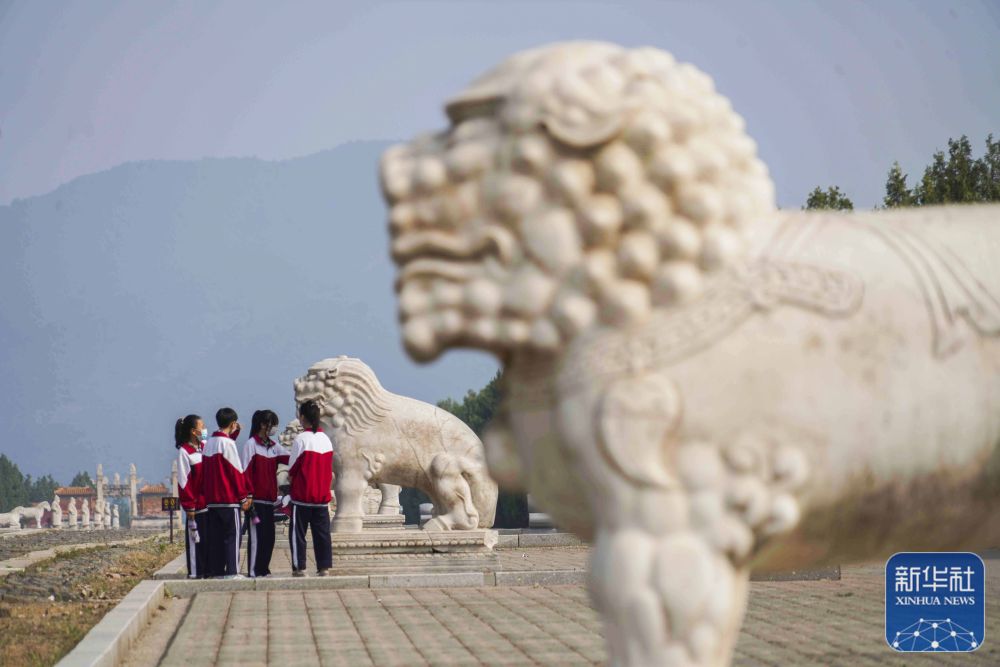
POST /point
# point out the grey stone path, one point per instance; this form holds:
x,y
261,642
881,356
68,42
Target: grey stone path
x,y
788,623
511,626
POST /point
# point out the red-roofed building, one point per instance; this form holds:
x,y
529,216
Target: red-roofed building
x,y
150,500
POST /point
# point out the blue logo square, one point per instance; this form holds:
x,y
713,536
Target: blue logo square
x,y
935,601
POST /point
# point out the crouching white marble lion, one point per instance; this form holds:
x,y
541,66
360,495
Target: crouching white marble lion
x,y
11,519
383,438
695,381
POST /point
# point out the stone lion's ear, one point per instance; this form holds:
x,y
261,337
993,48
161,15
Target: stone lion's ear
x,y
636,417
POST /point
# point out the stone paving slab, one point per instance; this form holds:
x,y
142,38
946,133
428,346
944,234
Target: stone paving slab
x,y
182,588
825,622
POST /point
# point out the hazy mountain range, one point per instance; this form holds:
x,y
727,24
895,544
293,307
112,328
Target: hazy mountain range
x,y
131,297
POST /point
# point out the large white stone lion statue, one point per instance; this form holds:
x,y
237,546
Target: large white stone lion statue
x,y
695,381
383,438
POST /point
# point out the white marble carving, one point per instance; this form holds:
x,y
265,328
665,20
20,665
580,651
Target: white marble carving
x,y
35,514
85,515
73,515
11,519
383,438
114,517
97,518
132,491
57,517
696,382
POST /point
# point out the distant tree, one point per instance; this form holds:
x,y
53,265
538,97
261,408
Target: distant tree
x,y
82,478
990,186
896,192
831,198
12,487
954,178
41,489
477,408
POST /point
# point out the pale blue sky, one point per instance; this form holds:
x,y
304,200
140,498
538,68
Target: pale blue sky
x,y
832,91
130,298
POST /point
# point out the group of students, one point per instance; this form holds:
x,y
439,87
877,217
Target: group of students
x,y
221,488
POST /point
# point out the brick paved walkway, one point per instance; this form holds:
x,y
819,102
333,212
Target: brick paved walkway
x,y
788,623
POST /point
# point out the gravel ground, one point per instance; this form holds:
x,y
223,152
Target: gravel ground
x,y
48,608
13,545
71,577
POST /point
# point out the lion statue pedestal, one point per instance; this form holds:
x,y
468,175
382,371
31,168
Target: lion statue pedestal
x,y
696,382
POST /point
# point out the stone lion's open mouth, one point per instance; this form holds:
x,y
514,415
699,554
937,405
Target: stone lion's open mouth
x,y
437,254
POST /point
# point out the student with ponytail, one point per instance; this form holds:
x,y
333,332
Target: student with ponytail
x,y
189,435
261,456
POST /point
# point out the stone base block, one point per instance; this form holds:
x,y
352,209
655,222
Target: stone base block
x,y
414,550
383,522
414,542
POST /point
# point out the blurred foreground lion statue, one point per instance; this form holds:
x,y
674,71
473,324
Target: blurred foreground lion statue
x,y
695,381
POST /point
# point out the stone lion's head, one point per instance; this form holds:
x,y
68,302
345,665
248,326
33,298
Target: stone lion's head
x,y
578,185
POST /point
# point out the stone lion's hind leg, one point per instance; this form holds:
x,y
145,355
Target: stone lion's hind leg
x,y
452,496
390,499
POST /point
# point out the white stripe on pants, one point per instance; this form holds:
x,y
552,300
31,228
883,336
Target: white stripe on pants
x,y
192,551
252,537
236,542
295,558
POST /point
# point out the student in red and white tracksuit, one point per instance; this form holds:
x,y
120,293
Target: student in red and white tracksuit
x,y
311,474
188,435
261,456
226,493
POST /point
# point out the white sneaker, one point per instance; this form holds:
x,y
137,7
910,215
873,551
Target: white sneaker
x,y
237,577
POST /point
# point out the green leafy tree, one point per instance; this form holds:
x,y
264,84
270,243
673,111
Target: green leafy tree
x,y
990,172
82,478
13,491
954,177
896,192
831,198
41,489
